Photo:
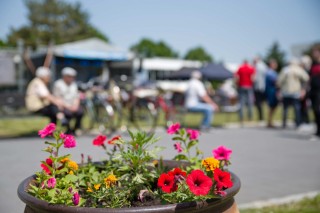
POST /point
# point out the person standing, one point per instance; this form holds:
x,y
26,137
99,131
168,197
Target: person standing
x,y
67,91
315,86
38,98
259,85
271,90
244,78
197,100
291,80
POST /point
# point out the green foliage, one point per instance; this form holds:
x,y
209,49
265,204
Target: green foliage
x,y
188,146
183,194
307,205
54,20
149,48
274,52
198,54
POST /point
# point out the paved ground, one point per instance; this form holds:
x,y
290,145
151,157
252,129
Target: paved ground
x,y
270,163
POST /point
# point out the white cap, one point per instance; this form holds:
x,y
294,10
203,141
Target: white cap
x,y
69,71
43,72
196,74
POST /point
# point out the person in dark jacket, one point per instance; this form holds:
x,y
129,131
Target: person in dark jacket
x,y
315,86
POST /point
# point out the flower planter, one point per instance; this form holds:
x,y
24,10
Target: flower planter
x,y
222,205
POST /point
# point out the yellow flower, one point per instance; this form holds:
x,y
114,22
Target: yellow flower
x,y
210,163
111,179
71,172
155,162
89,189
97,186
73,165
64,160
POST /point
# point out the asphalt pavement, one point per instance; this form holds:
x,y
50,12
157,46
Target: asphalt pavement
x,y
271,163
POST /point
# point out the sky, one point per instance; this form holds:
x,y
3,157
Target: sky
x,y
229,30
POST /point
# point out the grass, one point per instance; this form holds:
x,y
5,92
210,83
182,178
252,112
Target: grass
x,y
28,126
307,205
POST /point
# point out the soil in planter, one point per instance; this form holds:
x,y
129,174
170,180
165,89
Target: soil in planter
x,y
148,200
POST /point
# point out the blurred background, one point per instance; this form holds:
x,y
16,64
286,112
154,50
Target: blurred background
x,y
133,61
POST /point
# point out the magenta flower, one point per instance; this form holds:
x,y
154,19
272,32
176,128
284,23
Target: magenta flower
x,y
51,183
222,153
178,147
69,141
173,128
47,131
76,198
193,134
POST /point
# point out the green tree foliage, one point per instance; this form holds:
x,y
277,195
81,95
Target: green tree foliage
x,y
274,52
315,45
54,20
149,48
198,54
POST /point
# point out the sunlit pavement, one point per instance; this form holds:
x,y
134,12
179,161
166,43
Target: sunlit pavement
x,y
271,163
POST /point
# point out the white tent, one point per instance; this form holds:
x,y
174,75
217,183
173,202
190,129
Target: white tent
x,y
168,64
92,48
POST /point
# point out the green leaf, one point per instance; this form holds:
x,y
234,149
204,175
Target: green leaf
x,y
51,193
71,178
50,143
180,157
191,144
177,138
61,171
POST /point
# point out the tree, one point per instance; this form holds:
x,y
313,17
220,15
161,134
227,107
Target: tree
x,y
148,48
274,52
198,54
54,20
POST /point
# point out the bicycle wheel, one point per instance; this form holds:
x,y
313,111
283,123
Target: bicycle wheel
x,y
107,117
90,113
145,116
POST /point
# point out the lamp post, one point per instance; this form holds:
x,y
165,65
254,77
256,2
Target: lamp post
x,y
17,59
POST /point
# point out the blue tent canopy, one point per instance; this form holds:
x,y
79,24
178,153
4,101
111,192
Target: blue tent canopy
x,y
210,72
91,49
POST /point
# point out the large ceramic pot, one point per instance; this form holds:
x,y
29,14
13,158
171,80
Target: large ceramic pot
x,y
222,205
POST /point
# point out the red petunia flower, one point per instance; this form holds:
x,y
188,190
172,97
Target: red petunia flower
x,y
45,168
166,183
114,139
223,179
99,140
199,183
177,172
49,161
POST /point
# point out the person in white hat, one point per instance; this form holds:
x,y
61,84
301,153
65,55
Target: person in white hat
x,y
197,100
39,99
66,90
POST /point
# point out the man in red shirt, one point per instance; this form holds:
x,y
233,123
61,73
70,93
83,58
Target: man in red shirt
x,y
245,78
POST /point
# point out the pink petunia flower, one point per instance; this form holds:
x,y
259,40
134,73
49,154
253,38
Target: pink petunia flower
x,y
69,141
51,183
47,131
178,147
76,198
222,153
173,128
193,134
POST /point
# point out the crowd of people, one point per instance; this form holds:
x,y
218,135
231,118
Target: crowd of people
x,y
294,86
62,104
